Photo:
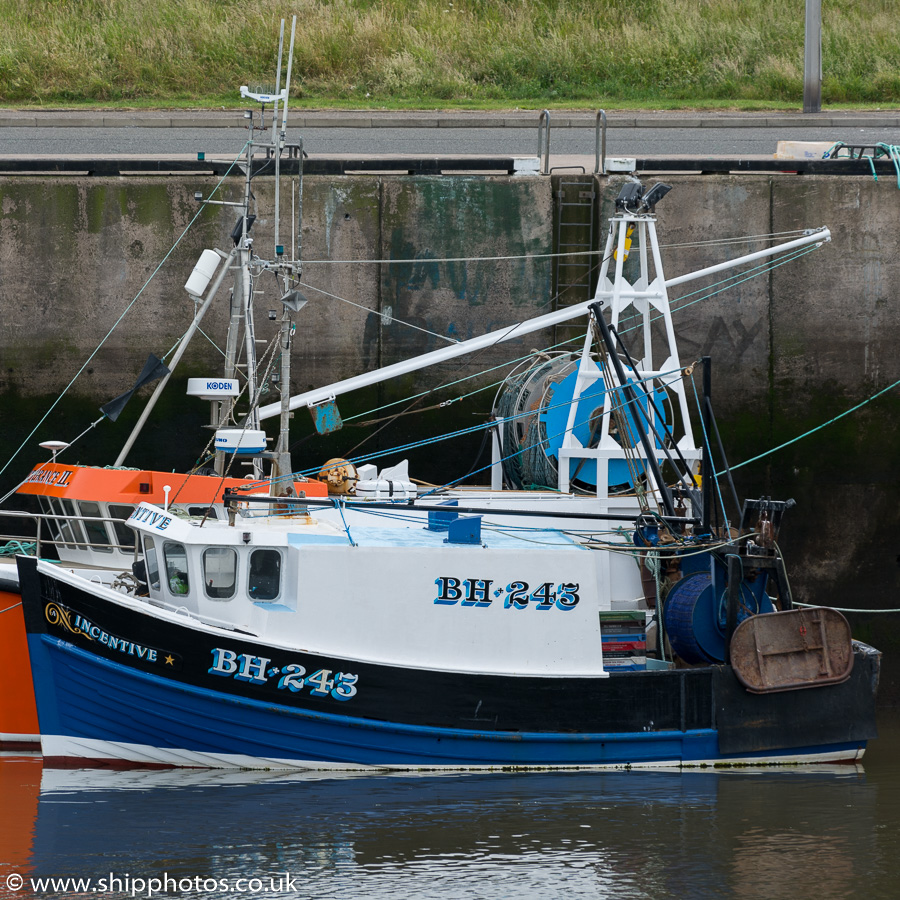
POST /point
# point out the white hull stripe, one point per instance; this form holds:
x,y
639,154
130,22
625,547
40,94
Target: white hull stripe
x,y
60,747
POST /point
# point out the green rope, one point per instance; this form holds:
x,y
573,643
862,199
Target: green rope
x,y
18,548
891,151
806,434
677,373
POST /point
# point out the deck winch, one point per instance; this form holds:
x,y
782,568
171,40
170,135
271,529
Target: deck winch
x,y
534,403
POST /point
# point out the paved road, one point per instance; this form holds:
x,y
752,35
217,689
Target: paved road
x,y
184,133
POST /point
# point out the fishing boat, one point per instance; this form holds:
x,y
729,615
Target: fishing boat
x,y
618,619
282,641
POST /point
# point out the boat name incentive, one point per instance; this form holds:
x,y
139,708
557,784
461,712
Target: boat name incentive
x,y
157,520
477,592
256,670
57,614
49,477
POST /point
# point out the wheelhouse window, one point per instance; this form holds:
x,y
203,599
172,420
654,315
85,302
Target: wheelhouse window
x,y
124,535
176,568
219,572
152,562
96,530
63,529
264,581
71,527
48,510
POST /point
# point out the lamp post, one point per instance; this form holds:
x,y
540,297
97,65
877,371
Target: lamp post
x,y
812,58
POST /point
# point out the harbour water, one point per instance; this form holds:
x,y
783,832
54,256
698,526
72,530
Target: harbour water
x,y
823,832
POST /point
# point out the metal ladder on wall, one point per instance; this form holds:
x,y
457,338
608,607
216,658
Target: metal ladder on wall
x,y
575,201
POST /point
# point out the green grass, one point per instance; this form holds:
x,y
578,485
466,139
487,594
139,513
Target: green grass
x,y
448,53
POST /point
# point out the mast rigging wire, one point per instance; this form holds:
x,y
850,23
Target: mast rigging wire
x,y
527,256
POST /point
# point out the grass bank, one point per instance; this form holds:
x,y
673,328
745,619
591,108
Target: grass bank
x,y
427,53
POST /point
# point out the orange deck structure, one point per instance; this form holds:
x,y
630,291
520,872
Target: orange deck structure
x,y
141,486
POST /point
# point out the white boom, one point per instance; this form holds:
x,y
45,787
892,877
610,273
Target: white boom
x,y
329,392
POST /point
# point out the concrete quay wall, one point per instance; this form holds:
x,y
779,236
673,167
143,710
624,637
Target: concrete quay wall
x,y
791,348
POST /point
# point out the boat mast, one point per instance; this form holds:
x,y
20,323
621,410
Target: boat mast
x,y
241,299
249,269
282,467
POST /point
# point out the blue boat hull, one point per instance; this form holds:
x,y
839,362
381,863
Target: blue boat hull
x,y
87,698
195,696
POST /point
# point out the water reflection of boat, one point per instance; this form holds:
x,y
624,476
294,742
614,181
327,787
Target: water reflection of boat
x,y
609,834
20,785
60,781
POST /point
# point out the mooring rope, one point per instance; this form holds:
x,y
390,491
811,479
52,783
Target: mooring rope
x,y
843,609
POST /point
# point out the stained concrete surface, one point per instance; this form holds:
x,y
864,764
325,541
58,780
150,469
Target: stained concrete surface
x,y
792,348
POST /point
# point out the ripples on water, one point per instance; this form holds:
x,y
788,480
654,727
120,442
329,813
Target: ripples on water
x,y
821,832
